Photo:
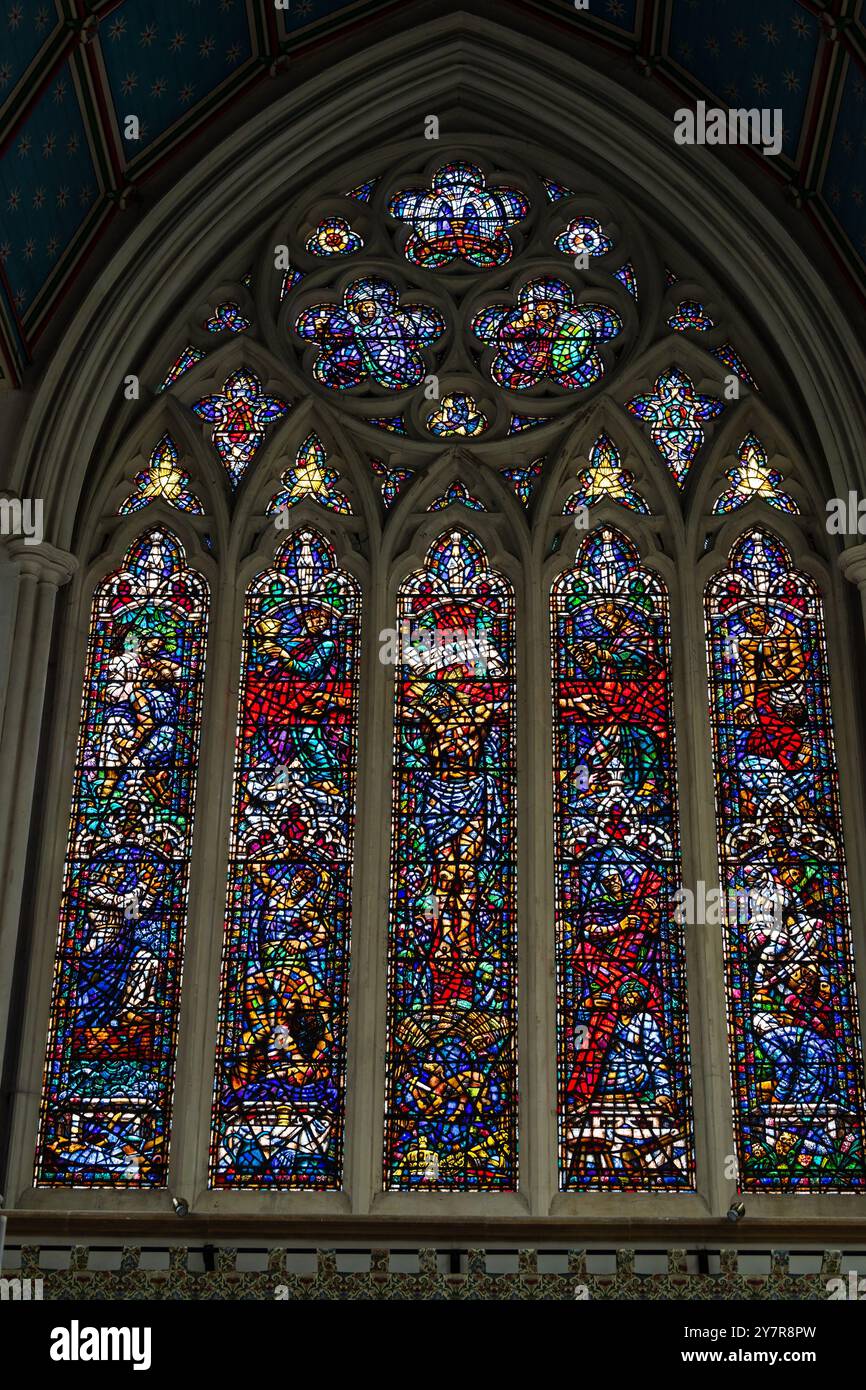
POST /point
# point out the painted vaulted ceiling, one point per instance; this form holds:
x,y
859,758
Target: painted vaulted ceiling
x,y
71,71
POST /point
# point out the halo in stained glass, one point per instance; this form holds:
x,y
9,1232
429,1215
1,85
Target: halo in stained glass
x,y
280,1079
549,336
109,1078
625,1118
793,1021
370,336
452,933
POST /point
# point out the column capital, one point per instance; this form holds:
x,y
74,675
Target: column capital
x,y
43,561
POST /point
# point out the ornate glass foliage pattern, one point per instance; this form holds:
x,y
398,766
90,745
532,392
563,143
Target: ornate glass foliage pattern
x,y
391,481
227,318
334,237
624,1091
674,412
279,1099
627,276
451,1107
456,492
584,236
796,1062
457,414
185,359
162,481
291,277
605,477
519,423
523,480
370,336
753,480
549,336
240,414
311,477
728,354
459,218
107,1098
690,315
557,192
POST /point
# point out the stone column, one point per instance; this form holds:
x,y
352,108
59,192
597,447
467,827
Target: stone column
x,y
40,569
852,563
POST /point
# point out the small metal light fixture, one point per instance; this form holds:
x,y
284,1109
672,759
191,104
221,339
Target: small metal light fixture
x,y
181,1208
736,1211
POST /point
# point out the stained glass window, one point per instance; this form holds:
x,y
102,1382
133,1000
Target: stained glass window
x,y
363,192
394,424
792,1008
728,354
107,1098
627,276
240,414
459,218
605,477
557,192
549,336
753,480
311,477
456,492
689,314
519,423
291,277
584,236
674,412
227,318
523,480
391,481
370,336
164,481
624,1091
185,359
457,413
451,1107
334,237
279,1099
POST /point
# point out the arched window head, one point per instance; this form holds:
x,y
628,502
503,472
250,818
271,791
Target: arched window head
x,y
625,1118
107,1096
792,1013
451,1105
280,1081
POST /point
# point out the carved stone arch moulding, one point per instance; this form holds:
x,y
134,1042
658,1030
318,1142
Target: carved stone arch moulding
x,y
488,372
